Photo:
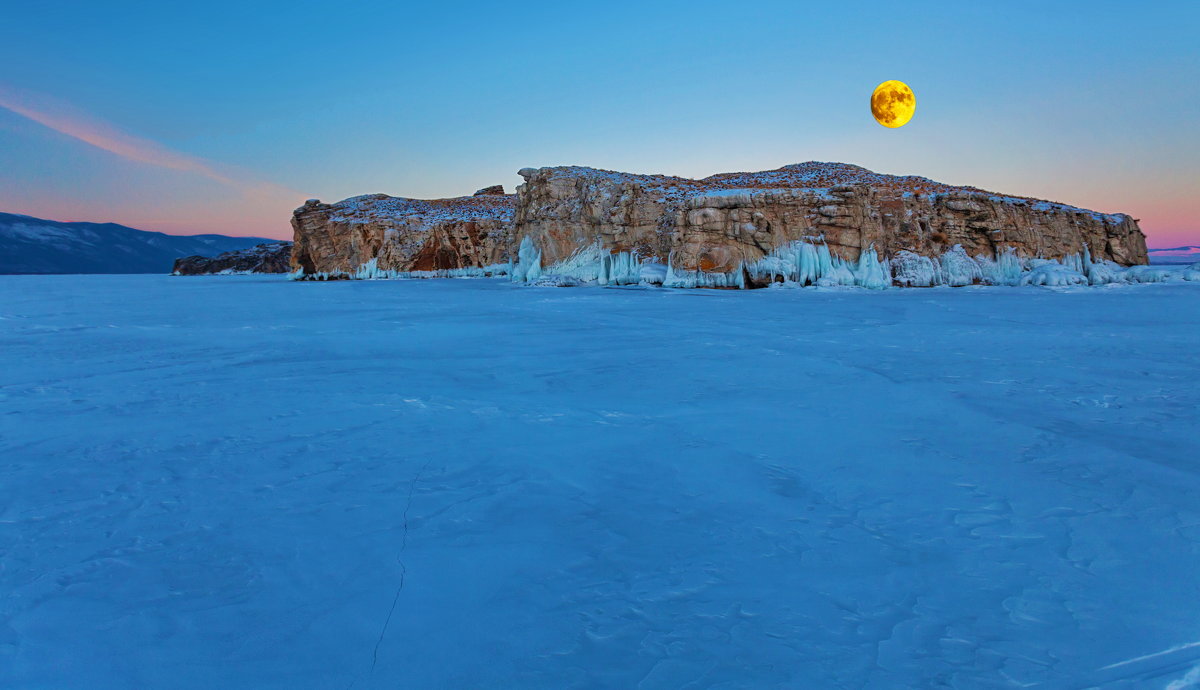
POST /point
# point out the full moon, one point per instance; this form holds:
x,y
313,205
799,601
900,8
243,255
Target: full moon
x,y
893,103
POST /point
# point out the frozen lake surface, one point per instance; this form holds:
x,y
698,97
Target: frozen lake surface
x,y
247,482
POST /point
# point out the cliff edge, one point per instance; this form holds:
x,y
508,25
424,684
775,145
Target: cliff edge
x,y
381,236
270,257
810,223
749,229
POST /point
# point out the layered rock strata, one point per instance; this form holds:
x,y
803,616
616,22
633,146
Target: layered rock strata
x,y
271,257
804,223
811,223
380,236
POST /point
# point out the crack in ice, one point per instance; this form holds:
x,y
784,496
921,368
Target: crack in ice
x,y
1172,650
403,568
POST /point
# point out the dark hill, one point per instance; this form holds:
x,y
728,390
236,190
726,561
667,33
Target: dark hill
x,y
34,245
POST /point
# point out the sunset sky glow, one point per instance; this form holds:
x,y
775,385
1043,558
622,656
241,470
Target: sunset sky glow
x,y
225,116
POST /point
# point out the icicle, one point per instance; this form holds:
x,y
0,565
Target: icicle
x,y
1005,269
1148,274
913,270
959,269
871,272
1052,274
696,279
529,262
800,261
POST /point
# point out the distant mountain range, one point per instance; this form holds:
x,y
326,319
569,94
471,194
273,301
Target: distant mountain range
x,y
1174,255
34,245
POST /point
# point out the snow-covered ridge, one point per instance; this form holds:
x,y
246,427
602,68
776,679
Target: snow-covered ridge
x,y
36,245
812,176
826,175
365,208
1175,255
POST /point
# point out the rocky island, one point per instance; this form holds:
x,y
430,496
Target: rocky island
x,y
380,236
808,224
269,257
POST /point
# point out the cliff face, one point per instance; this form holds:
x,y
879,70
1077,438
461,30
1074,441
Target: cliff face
x,y
732,229
272,257
812,223
382,236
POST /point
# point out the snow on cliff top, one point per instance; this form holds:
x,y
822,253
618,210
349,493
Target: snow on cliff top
x,y
814,176
817,175
364,208
810,175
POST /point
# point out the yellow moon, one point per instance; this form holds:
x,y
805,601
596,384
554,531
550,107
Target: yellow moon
x,y
893,103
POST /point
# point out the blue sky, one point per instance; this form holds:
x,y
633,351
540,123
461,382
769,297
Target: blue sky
x,y
223,116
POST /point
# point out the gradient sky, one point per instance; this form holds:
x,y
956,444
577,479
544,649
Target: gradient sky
x,y
224,116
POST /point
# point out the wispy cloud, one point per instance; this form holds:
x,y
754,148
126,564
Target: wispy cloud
x,y
69,121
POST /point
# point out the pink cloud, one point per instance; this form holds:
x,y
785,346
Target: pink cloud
x,y
70,122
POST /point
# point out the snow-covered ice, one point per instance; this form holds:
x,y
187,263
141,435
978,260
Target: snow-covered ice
x,y
810,262
254,482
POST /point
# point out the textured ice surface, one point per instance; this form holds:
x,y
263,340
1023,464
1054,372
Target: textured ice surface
x,y
959,269
224,482
1005,269
1150,274
371,271
703,279
1105,272
1052,274
913,270
810,262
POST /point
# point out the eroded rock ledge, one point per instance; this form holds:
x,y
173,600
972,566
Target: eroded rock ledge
x,y
380,236
271,257
811,223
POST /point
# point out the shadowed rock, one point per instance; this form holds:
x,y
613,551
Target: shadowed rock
x,y
378,235
720,223
272,257
726,230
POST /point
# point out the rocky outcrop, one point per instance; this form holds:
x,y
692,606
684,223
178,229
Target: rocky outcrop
x,y
271,257
380,236
802,222
812,223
